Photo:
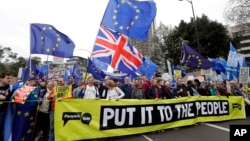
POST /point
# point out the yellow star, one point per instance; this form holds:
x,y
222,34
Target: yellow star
x,y
47,49
121,27
135,7
57,45
132,23
29,131
114,17
127,27
23,139
137,10
118,5
116,23
44,28
32,123
192,55
19,112
31,118
42,37
54,49
115,11
50,28
58,39
136,17
26,114
197,57
123,1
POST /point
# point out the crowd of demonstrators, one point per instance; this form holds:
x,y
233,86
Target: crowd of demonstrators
x,y
111,89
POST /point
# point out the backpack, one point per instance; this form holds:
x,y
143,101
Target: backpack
x,y
138,94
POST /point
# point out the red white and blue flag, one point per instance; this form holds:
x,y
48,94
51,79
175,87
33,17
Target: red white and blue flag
x,y
115,49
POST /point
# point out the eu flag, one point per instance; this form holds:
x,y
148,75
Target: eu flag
x,y
148,68
101,65
46,39
95,71
194,59
132,18
20,118
77,73
217,66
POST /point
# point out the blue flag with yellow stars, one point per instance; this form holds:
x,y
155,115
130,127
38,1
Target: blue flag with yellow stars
x,y
95,71
129,17
46,39
148,68
76,73
21,117
194,59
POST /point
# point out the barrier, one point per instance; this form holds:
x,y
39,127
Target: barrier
x,y
77,119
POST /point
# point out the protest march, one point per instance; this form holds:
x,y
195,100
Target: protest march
x,y
48,105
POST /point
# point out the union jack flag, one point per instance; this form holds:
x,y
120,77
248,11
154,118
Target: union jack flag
x,y
115,49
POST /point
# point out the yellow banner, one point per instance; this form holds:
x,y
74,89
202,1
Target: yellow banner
x,y
63,91
177,74
77,119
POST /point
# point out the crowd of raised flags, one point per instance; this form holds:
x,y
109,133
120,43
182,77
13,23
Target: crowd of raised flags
x,y
122,19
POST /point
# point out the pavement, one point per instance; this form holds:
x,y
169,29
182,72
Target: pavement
x,y
214,131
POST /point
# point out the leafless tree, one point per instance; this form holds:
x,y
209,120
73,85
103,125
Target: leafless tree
x,y
237,11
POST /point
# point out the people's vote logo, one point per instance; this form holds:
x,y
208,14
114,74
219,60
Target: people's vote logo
x,y
84,118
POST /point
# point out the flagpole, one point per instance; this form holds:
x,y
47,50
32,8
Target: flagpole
x,y
47,73
30,53
30,65
86,72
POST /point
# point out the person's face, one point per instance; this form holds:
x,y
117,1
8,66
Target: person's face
x,y
6,80
33,83
71,79
179,81
42,84
90,81
105,80
154,82
50,85
167,84
127,80
61,82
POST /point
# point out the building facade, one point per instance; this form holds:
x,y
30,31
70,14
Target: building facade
x,y
242,31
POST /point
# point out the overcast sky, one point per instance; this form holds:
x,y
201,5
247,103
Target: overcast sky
x,y
80,19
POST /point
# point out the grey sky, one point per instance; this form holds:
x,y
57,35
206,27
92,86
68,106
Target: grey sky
x,y
80,19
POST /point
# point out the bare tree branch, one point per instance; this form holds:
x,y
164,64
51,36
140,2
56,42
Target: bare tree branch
x,y
237,11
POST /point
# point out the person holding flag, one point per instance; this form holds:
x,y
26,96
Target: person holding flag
x,y
20,121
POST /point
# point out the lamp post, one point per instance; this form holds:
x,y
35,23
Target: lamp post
x,y
195,26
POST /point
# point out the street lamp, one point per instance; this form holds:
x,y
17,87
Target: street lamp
x,y
195,26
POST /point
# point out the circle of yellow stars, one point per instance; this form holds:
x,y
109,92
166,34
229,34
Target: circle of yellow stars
x,y
126,27
196,58
32,123
55,46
